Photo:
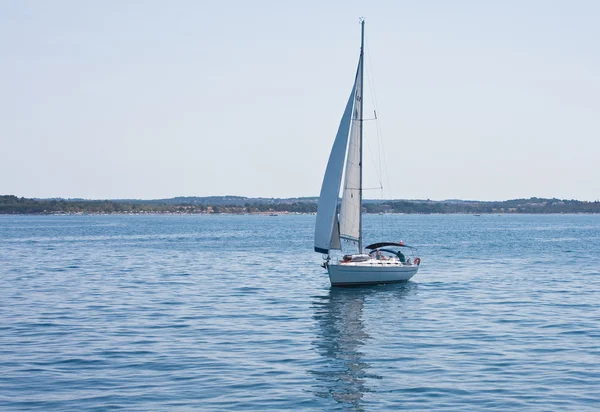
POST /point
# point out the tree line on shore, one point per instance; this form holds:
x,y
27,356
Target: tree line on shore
x,y
10,204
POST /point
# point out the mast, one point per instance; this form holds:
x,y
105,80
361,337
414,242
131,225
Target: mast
x,y
360,124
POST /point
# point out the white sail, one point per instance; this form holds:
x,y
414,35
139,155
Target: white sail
x,y
351,193
326,231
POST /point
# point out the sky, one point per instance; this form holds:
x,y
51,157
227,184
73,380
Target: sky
x,y
155,99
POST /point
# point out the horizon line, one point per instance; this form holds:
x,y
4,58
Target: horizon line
x,y
293,197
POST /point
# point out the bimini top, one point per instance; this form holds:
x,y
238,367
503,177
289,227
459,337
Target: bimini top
x,y
383,244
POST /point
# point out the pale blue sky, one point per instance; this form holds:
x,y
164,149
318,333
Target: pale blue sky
x,y
148,99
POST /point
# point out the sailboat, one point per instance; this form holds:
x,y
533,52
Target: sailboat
x,y
382,262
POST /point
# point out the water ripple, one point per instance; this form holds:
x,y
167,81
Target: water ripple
x,y
233,313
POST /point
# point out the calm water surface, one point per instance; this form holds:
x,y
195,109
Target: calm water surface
x,y
234,313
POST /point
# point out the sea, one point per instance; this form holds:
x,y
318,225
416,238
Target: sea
x,y
234,313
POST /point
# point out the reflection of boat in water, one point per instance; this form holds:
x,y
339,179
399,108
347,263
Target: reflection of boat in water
x,y
342,335
340,340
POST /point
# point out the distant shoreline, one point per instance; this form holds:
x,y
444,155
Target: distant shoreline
x,y
281,214
13,205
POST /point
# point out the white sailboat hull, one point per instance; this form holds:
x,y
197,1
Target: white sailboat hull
x,y
371,272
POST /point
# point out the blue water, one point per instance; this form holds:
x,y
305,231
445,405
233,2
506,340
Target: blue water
x,y
234,313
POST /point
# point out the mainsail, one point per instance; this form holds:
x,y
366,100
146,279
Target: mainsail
x,y
327,234
350,209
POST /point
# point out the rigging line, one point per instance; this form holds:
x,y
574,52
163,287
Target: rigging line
x,y
370,80
382,152
376,167
377,170
373,92
382,211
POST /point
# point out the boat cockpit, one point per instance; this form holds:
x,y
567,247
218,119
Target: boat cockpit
x,y
385,253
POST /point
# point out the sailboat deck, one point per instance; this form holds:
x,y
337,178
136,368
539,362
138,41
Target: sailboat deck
x,y
376,263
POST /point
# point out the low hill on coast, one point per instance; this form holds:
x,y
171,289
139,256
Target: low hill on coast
x,y
10,204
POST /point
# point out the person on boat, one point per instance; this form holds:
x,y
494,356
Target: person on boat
x,y
378,254
401,257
